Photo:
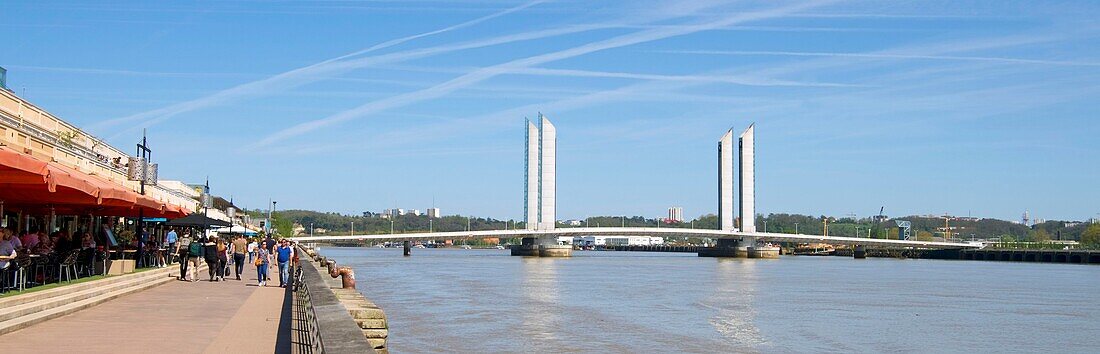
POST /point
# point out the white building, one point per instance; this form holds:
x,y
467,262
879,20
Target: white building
x,y
414,212
676,214
587,241
433,213
565,240
540,184
573,222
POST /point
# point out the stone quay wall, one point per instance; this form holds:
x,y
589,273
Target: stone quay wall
x,y
346,320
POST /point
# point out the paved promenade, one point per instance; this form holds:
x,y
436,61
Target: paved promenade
x,y
179,317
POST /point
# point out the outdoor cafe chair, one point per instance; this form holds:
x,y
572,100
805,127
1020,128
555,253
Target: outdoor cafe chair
x,y
67,267
25,263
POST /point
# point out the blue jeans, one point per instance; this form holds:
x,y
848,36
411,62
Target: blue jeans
x,y
284,275
261,273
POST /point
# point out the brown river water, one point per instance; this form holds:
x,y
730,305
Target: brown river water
x,y
480,301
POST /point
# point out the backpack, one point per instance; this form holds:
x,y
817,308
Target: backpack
x,y
195,249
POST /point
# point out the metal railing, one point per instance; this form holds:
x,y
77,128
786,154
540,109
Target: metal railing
x,y
307,331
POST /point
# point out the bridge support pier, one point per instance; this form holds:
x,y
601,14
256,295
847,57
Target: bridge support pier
x,y
762,251
743,248
729,248
859,252
408,248
541,247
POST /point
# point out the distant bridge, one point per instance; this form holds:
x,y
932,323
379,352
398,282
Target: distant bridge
x,y
646,231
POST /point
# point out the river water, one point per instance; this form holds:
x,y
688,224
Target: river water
x,y
478,301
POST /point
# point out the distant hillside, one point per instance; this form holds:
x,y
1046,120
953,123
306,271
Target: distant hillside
x,y
336,223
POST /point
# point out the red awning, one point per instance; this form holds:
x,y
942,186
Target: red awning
x,y
31,183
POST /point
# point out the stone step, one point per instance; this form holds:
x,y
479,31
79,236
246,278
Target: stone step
x,y
68,288
22,322
46,303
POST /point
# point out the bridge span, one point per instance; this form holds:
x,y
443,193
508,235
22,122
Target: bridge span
x,y
645,231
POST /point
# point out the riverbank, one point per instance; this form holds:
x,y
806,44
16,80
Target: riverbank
x,y
334,317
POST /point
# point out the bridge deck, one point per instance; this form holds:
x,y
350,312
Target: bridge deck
x,y
649,231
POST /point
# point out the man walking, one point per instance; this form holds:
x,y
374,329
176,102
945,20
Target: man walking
x,y
182,249
170,239
283,254
195,251
240,246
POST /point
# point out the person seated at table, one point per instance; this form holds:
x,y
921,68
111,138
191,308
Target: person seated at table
x,y
7,249
87,241
30,239
64,243
44,246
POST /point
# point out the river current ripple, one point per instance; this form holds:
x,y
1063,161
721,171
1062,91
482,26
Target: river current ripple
x,y
478,301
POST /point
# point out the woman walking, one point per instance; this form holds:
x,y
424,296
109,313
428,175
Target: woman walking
x,y
261,265
222,259
210,254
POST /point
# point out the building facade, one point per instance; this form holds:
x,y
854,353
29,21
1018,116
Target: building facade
x,y
31,130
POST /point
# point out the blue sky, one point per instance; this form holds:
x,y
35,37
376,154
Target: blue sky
x,y
986,108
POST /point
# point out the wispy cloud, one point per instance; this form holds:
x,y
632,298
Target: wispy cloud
x,y
307,74
743,80
885,56
492,71
727,79
401,40
96,71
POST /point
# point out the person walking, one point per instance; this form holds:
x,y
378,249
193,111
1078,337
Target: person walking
x,y
223,258
269,244
283,255
182,248
170,240
252,246
194,251
262,263
210,254
240,246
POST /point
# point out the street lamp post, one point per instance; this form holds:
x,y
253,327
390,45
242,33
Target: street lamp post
x,y
795,228
310,229
391,225
765,226
270,224
145,154
353,228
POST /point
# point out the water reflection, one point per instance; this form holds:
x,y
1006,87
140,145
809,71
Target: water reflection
x,y
541,306
734,295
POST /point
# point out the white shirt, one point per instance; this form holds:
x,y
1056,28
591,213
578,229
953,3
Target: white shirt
x,y
252,247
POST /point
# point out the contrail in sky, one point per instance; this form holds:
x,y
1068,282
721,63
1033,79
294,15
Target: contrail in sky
x,y
883,56
492,71
304,75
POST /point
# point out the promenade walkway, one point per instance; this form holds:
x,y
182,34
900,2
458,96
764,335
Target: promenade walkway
x,y
179,317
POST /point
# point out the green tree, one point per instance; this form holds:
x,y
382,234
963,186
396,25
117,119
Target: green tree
x,y
1039,235
924,235
1091,237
